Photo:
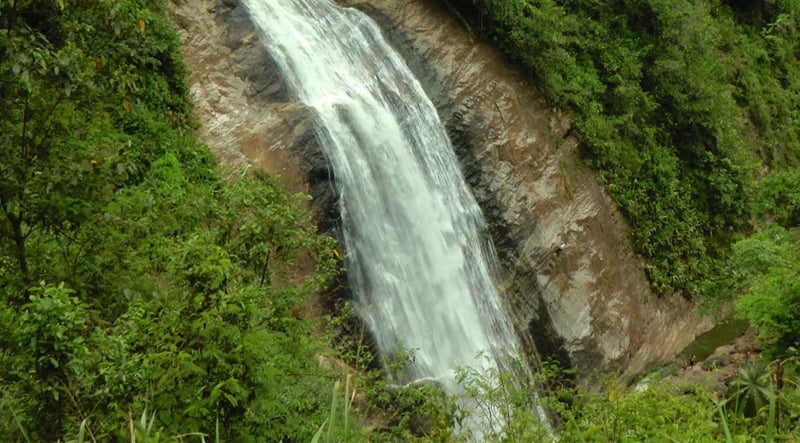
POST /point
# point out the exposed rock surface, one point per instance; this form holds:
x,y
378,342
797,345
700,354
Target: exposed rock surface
x,y
239,95
590,303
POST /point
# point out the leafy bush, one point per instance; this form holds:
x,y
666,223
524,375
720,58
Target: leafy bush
x,y
656,411
133,278
677,104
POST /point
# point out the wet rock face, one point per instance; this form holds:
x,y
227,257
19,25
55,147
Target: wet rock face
x,y
249,117
588,306
241,100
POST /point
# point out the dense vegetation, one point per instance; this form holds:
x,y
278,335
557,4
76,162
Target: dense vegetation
x,y
143,296
133,280
685,108
754,409
762,404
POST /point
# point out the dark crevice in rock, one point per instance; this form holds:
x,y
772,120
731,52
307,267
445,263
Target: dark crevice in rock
x,y
253,61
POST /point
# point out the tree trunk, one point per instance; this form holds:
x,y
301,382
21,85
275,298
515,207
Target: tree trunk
x,y
19,241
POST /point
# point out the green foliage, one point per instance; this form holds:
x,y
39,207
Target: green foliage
x,y
779,198
763,270
331,423
133,278
773,306
91,91
656,412
750,390
418,411
499,407
678,105
762,402
43,342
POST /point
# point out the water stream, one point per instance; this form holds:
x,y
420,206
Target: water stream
x,y
419,259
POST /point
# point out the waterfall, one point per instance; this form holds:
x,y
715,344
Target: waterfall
x,y
419,259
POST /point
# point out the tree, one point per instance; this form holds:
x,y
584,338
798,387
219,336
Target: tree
x,y
132,278
766,268
37,84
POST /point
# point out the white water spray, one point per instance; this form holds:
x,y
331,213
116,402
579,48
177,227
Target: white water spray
x,y
419,259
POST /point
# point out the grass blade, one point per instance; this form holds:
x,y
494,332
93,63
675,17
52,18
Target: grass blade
x,y
21,428
728,437
771,419
82,432
346,405
332,418
317,436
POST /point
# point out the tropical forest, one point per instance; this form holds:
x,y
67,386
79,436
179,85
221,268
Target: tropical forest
x,y
149,293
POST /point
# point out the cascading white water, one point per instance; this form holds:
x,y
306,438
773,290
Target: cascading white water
x,y
418,259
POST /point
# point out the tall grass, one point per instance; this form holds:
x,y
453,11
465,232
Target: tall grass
x,y
330,422
770,425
